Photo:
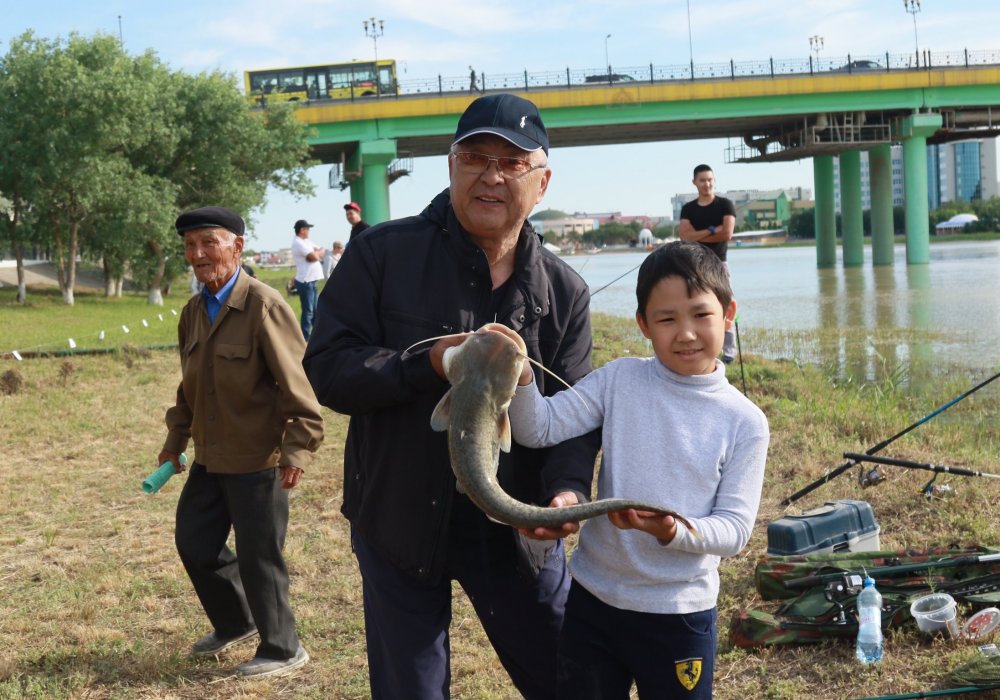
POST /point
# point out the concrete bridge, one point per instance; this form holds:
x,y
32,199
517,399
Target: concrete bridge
x,y
772,115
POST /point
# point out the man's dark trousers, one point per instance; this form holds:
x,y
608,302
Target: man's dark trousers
x,y
406,622
237,594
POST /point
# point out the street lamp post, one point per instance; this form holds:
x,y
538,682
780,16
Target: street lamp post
x,y
815,45
913,7
607,61
374,28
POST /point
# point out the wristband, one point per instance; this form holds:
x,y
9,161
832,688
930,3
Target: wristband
x,y
711,230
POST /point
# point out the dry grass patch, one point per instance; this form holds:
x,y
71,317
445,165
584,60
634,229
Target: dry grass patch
x,y
96,603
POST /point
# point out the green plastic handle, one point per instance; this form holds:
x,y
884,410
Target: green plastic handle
x,y
155,481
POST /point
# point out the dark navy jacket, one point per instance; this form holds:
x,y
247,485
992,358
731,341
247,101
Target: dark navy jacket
x,y
404,281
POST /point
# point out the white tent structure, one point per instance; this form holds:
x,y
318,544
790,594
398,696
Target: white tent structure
x,y
955,223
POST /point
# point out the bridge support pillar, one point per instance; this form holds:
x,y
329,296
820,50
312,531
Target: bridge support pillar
x,y
883,226
825,212
913,131
371,190
851,218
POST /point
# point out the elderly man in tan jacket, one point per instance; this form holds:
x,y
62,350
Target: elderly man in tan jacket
x,y
255,421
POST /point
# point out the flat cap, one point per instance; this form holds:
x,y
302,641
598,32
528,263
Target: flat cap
x,y
210,217
508,116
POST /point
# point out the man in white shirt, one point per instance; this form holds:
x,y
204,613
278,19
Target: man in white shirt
x,y
308,259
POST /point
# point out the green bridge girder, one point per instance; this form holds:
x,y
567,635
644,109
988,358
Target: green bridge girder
x,y
784,117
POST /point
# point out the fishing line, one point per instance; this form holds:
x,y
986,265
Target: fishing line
x,y
616,279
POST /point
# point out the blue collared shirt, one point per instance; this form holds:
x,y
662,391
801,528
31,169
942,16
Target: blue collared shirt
x,y
214,302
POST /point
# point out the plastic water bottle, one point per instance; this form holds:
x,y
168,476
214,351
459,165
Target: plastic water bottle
x,y
869,645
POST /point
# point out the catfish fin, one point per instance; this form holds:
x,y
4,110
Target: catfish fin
x,y
503,430
442,413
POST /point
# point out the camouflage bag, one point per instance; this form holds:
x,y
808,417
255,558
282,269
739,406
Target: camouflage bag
x,y
828,609
773,572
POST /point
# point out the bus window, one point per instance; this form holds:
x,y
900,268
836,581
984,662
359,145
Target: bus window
x,y
386,81
292,82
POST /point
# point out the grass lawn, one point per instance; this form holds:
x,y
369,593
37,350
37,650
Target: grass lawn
x,y
95,603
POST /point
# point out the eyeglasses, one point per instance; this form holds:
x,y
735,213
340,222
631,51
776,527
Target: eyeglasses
x,y
508,166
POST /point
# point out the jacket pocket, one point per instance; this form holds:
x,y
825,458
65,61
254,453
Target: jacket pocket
x,y
232,351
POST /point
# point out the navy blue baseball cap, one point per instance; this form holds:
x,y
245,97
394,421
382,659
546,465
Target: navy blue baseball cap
x,y
508,116
210,217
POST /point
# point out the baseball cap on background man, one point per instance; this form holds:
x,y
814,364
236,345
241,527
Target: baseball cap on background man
x,y
508,116
210,217
302,223
352,205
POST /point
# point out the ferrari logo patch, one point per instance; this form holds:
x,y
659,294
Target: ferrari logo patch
x,y
688,672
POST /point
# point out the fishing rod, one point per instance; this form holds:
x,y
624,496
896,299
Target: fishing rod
x,y
936,693
739,351
893,571
936,468
882,445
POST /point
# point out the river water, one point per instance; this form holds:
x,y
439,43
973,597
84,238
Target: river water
x,y
865,322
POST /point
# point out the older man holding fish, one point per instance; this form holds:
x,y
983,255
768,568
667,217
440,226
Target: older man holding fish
x,y
470,258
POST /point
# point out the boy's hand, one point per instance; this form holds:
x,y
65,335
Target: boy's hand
x,y
662,527
565,498
526,374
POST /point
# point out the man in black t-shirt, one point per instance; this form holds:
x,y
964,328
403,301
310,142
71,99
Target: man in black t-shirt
x,y
710,220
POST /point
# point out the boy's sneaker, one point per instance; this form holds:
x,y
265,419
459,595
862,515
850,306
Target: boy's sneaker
x,y
262,668
211,644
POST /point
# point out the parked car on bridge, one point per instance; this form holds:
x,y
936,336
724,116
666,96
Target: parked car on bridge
x,y
858,66
609,78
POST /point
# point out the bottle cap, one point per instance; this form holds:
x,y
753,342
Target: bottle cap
x,y
982,624
869,581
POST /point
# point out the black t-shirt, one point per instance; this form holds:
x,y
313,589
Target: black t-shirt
x,y
701,217
357,229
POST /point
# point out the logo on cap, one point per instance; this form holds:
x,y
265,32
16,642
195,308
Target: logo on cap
x,y
523,118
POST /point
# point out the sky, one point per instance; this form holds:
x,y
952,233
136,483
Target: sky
x,y
444,37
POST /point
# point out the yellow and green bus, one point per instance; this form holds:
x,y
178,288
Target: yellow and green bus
x,y
335,81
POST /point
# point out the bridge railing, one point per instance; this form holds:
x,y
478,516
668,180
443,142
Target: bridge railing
x,y
733,70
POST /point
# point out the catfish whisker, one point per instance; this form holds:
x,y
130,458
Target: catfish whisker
x,y
405,353
559,379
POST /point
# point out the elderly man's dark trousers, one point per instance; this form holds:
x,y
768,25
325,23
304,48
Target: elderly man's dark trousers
x,y
238,593
407,622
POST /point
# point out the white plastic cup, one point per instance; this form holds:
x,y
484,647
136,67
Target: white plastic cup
x,y
935,613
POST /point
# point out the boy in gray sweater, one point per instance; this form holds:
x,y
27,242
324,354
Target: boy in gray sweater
x,y
642,606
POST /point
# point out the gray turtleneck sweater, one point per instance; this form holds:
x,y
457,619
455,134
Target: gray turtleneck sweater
x,y
693,444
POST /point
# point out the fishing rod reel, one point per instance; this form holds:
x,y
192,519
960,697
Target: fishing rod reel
x,y
869,477
839,590
932,490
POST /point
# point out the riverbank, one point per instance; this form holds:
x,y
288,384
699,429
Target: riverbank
x,y
97,604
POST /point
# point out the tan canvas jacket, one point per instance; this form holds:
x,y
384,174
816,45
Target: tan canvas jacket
x,y
244,397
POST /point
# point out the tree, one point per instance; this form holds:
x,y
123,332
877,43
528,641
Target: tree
x,y
100,151
226,154
549,214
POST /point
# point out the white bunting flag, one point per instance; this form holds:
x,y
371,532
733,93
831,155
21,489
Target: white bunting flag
x,y
125,329
159,316
100,336
72,343
17,355
144,324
